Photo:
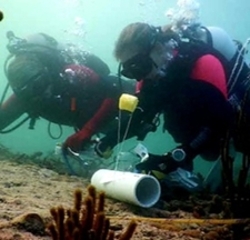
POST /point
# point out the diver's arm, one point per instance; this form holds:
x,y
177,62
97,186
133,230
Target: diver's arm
x,y
10,110
212,127
104,114
216,117
91,84
208,91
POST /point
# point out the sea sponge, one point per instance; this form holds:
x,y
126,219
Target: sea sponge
x,y
86,220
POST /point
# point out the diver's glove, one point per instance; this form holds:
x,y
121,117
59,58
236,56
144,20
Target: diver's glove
x,y
103,150
79,140
180,157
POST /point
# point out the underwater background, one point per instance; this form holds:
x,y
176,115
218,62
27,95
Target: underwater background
x,y
95,26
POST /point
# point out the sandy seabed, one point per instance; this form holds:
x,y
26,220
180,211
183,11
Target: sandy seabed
x,y
28,190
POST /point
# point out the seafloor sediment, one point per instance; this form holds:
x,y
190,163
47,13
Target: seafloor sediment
x,y
29,187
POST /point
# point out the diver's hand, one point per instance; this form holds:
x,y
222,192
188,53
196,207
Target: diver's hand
x,y
180,157
102,150
78,141
161,163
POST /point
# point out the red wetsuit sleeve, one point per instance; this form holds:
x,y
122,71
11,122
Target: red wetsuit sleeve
x,y
101,117
209,69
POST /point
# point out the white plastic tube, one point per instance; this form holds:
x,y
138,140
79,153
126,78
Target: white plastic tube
x,y
139,189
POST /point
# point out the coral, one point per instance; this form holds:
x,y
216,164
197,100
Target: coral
x,y
236,189
86,220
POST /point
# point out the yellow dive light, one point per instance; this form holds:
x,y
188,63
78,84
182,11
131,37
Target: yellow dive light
x,y
128,102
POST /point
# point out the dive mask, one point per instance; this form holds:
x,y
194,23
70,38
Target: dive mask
x,y
137,67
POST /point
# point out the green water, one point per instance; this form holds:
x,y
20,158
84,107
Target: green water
x,y
95,25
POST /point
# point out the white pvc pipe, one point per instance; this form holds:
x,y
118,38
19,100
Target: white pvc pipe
x,y
139,189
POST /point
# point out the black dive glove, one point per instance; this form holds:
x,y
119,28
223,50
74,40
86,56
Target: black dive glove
x,y
180,157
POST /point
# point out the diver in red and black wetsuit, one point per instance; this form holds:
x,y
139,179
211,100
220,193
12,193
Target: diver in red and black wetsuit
x,y
62,85
196,83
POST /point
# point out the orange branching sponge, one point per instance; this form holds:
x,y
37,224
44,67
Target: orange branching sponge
x,y
86,221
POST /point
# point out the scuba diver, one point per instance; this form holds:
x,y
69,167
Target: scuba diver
x,y
62,84
197,78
